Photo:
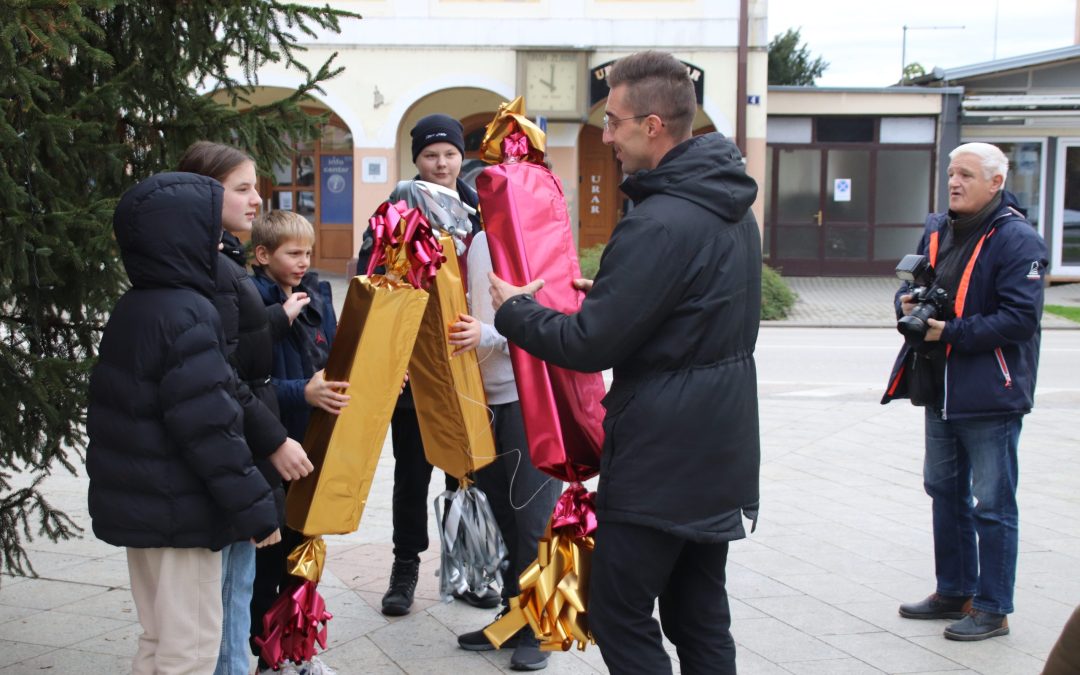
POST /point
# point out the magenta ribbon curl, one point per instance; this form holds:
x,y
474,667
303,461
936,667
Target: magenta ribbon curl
x,y
575,512
394,225
293,624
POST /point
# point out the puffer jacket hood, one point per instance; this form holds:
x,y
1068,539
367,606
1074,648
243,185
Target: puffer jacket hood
x,y
153,227
699,170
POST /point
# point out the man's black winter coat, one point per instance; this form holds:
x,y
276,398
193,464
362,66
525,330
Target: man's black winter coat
x,y
674,311
167,459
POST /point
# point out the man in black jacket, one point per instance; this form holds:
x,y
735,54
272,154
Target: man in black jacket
x,y
674,311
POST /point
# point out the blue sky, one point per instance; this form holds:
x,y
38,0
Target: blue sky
x,y
861,39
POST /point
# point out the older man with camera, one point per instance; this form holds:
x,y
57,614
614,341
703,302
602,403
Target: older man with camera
x,y
970,360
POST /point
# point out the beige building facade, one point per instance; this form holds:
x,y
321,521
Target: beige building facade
x,y
409,58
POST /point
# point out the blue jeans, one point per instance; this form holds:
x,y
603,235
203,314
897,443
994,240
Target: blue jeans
x,y
237,576
970,472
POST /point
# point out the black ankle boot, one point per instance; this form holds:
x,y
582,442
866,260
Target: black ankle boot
x,y
399,596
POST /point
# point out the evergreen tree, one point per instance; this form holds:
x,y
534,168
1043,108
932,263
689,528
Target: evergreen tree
x,y
96,95
791,63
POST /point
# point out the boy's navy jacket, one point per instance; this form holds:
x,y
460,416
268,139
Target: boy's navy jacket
x,y
167,460
304,349
994,345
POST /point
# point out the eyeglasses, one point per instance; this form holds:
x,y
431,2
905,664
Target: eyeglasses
x,y
610,121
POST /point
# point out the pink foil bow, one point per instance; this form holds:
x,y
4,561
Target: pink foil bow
x,y
405,244
292,626
575,512
515,147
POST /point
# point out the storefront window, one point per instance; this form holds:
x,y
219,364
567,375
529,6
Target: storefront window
x,y
902,187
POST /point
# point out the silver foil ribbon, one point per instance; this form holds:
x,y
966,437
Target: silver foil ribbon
x,y
442,207
473,550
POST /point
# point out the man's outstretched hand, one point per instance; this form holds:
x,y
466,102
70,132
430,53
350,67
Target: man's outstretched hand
x,y
502,291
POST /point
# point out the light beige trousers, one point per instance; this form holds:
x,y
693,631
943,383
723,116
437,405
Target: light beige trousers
x,y
177,594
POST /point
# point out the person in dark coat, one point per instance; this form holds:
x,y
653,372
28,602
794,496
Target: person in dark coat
x,y
438,147
249,328
674,311
974,372
171,477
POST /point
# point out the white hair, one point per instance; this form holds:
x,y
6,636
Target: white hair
x,y
993,160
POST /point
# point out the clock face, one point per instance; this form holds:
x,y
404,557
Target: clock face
x,y
552,82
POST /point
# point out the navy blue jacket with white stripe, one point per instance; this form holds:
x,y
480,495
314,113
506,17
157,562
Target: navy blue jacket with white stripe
x,y
993,343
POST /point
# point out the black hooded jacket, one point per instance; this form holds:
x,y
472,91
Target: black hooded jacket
x,y
167,459
251,329
674,311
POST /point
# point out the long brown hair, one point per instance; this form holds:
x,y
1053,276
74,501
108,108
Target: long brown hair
x,y
215,160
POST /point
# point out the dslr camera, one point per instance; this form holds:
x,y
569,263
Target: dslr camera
x,y
931,301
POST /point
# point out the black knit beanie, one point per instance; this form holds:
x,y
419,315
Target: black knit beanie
x,y
437,128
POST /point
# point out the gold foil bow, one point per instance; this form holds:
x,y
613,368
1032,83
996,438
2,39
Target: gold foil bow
x,y
554,589
306,560
509,119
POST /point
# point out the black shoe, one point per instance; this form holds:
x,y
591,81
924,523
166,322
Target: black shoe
x,y
937,607
978,625
527,654
399,596
476,641
489,599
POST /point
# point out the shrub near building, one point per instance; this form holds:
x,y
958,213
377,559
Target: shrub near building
x,y
776,298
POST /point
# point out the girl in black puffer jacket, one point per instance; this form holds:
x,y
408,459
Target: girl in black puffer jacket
x,y
171,478
250,329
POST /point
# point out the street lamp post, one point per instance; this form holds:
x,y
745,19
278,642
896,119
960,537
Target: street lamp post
x,y
903,43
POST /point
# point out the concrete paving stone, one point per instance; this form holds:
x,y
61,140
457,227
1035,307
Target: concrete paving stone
x,y
749,662
56,629
883,613
123,641
46,561
829,587
775,563
451,665
811,615
744,583
847,666
741,609
359,655
591,657
115,603
344,628
420,637
781,643
10,613
348,603
988,657
96,572
879,549
71,661
46,593
16,652
890,653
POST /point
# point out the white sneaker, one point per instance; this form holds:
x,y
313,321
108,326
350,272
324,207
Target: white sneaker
x,y
314,667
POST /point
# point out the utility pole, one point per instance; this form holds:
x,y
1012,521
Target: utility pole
x,y
903,43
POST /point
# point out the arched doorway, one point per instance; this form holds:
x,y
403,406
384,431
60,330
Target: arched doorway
x,y
317,183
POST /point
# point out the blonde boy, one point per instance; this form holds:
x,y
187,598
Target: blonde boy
x,y
282,243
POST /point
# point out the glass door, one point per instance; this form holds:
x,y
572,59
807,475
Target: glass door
x,y
1066,254
796,248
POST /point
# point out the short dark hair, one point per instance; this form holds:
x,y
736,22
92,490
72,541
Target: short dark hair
x,y
657,84
215,160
